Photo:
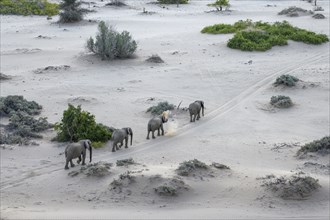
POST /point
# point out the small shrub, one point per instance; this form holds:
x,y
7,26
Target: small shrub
x,y
98,169
321,146
28,7
262,36
220,166
286,80
71,11
77,124
294,11
218,4
188,167
173,1
155,59
160,108
295,187
117,3
19,120
281,101
110,44
165,190
12,104
12,139
125,162
22,126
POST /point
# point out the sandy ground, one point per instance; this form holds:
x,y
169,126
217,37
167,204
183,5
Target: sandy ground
x,y
239,128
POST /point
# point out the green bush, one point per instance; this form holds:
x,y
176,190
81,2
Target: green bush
x,y
262,36
281,101
160,108
71,11
28,7
286,80
218,4
109,44
188,167
321,146
173,1
77,124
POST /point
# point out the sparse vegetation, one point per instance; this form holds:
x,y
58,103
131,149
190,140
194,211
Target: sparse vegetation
x,y
160,108
281,101
188,167
117,3
155,59
22,125
295,187
98,169
25,125
77,124
262,36
321,146
294,11
220,166
125,162
71,11
165,190
173,1
218,4
28,7
286,80
15,103
110,44
124,180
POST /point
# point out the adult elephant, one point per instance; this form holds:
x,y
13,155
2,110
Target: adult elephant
x,y
156,123
119,135
195,109
78,150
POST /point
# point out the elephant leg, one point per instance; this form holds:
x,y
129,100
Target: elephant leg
x,y
161,127
113,146
194,118
153,134
79,160
148,135
66,165
158,131
191,118
198,116
126,140
72,165
83,159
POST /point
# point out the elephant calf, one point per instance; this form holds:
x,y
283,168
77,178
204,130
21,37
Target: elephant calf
x,y
76,150
195,110
119,135
156,123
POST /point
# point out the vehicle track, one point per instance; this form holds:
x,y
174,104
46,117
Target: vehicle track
x,y
186,129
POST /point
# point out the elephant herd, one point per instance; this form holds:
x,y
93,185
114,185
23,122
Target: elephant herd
x,y
78,150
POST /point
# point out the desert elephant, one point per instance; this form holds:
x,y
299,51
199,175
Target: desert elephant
x,y
195,110
119,135
76,150
156,123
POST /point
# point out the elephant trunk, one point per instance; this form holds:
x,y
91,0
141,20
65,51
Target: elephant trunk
x,y
90,153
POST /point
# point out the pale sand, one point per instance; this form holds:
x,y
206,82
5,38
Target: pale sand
x,y
239,128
